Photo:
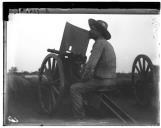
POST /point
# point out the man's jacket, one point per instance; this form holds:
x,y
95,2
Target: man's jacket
x,y
102,59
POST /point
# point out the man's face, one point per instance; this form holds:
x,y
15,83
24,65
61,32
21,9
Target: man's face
x,y
94,34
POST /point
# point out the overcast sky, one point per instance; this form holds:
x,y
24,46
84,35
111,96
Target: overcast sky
x,y
30,35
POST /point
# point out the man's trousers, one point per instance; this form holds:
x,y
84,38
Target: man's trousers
x,y
77,91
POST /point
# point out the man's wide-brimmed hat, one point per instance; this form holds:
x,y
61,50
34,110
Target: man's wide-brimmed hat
x,y
100,26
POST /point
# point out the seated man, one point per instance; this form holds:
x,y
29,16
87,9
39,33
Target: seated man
x,y
100,70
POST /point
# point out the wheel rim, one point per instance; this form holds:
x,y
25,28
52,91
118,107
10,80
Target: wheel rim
x,y
142,72
51,83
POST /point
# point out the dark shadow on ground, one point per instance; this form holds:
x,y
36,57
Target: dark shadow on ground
x,y
23,103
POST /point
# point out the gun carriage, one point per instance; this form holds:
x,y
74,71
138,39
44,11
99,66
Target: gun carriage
x,y
60,69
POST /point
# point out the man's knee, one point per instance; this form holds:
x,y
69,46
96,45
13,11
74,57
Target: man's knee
x,y
75,87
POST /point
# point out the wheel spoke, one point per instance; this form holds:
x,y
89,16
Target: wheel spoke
x,y
135,76
54,70
50,101
44,103
55,82
49,64
137,69
143,64
53,65
47,71
56,90
147,69
136,80
44,76
53,98
140,66
45,68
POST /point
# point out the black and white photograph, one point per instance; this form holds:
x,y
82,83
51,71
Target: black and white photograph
x,y
83,66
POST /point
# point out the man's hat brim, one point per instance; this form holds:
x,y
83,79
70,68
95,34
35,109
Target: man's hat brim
x,y
100,28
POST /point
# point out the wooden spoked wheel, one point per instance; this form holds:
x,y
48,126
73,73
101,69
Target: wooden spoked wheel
x,y
51,79
142,79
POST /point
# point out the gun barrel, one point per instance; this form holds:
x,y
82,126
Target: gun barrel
x,y
53,51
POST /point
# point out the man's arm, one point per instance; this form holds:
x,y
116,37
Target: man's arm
x,y
95,55
93,59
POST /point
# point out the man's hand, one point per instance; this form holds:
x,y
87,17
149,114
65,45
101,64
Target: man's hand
x,y
87,74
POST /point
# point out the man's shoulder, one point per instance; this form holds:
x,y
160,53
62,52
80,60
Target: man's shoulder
x,y
101,41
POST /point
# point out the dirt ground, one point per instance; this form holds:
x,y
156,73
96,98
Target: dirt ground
x,y
23,105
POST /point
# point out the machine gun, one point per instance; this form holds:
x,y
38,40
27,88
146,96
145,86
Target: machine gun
x,y
75,58
62,68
